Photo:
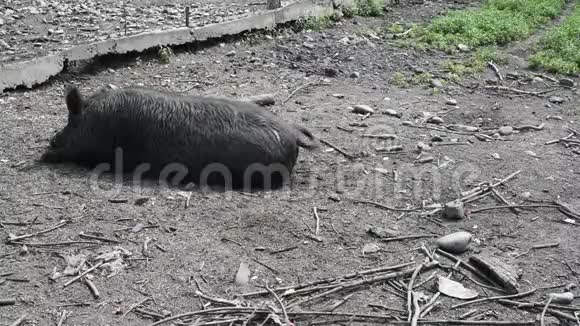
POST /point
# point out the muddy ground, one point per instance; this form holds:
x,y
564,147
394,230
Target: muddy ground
x,y
204,239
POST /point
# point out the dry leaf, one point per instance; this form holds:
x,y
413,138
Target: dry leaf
x,y
455,289
243,274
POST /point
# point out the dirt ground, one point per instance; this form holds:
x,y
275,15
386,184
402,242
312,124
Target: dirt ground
x,y
196,237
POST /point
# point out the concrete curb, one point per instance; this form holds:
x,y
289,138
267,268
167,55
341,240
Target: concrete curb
x,y
33,72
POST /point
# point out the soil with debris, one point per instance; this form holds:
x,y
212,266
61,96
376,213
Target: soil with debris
x,y
165,244
35,28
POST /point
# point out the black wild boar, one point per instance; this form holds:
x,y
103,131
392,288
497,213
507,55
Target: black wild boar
x,y
204,140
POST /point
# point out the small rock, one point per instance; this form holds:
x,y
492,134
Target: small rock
x,y
454,210
566,82
392,113
33,11
330,72
496,156
451,101
556,99
111,86
1,21
526,194
380,232
231,53
531,153
334,198
338,95
436,138
436,83
363,109
308,45
460,127
506,130
455,243
371,248
554,117
355,74
426,159
463,47
423,147
537,80
344,40
570,287
435,120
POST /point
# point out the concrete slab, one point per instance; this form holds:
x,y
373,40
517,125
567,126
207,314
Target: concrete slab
x,y
34,72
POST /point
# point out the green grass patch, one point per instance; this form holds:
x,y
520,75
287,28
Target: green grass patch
x,y
497,22
477,63
558,50
364,8
399,80
315,23
473,65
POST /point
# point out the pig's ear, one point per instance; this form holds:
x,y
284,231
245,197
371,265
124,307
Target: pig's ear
x,y
73,98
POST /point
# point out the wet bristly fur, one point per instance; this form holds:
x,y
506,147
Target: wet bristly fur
x,y
162,128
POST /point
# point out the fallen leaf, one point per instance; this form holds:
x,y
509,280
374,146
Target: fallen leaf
x,y
455,289
137,228
243,274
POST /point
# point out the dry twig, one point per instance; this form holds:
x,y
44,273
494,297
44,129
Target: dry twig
x,y
134,306
20,320
483,209
300,88
330,280
495,70
317,229
76,278
286,319
515,90
543,317
336,148
379,205
511,296
25,236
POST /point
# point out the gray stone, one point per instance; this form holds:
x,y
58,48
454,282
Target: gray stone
x,y
506,130
463,47
436,83
355,74
567,82
556,99
451,101
435,120
364,109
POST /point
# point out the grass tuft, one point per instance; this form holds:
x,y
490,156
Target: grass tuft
x,y
497,22
559,49
364,8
